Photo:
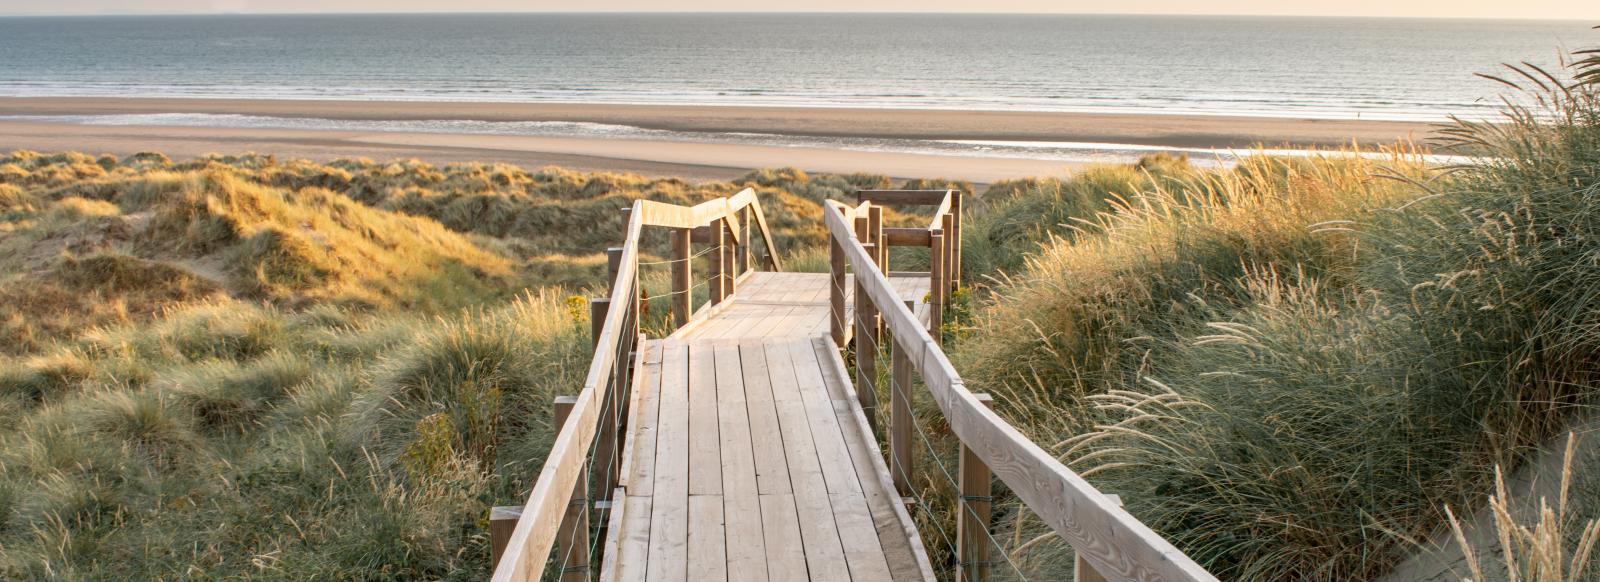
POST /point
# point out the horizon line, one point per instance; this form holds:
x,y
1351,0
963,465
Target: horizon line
x,y
783,12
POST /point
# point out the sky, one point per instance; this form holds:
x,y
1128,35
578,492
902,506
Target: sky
x,y
1538,9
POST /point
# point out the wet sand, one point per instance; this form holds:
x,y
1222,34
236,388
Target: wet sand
x,y
656,157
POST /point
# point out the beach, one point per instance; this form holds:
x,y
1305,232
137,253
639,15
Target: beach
x,y
695,159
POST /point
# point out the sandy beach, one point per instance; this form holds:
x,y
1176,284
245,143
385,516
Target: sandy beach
x,y
659,157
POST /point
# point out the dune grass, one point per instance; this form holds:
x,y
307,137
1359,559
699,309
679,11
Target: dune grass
x,y
239,366
1290,368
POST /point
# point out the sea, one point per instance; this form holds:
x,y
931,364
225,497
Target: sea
x,y
1318,68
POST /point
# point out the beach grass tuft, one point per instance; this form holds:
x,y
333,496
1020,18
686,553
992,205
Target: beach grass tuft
x,y
1292,367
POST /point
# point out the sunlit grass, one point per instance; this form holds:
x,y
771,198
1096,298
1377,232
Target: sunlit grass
x,y
1290,368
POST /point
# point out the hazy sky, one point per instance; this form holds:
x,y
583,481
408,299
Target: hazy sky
x,y
1552,9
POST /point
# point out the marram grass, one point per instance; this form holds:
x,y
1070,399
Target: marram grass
x,y
237,366
1291,368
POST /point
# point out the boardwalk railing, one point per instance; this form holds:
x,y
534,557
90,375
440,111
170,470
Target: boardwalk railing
x,y
556,513
1110,543
942,238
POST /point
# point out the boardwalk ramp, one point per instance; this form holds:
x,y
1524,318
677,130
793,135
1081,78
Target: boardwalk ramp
x,y
738,444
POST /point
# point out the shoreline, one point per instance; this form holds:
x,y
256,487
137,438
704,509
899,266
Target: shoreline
x,y
663,157
1168,130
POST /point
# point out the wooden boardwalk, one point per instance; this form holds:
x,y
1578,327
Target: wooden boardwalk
x,y
738,448
792,305
747,457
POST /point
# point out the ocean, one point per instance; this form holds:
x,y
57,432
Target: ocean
x,y
1312,68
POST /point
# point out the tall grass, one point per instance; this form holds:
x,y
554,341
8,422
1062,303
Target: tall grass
x,y
246,367
1290,368
310,454
1550,545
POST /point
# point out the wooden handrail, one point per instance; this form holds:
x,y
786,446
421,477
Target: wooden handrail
x,y
617,338
536,529
1115,543
905,197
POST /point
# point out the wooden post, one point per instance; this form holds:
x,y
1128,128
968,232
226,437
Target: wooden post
x,y
606,439
836,291
1082,571
953,233
718,254
972,525
866,351
875,224
730,258
875,236
901,395
682,281
572,539
746,246
597,318
937,265
951,243
502,523
613,265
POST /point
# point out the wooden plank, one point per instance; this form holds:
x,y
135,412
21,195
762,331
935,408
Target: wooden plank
x,y
906,237
705,460
749,318
655,213
902,197
640,477
741,321
634,548
772,470
863,551
1113,541
708,559
746,550
772,318
669,519
788,289
1082,571
706,313
780,529
832,454
897,533
738,471
858,534
615,528
824,551
747,542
